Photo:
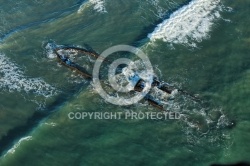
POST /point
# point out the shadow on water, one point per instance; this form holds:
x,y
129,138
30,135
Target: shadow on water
x,y
237,164
7,141
15,134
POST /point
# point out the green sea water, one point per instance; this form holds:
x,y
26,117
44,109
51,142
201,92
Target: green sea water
x,y
35,128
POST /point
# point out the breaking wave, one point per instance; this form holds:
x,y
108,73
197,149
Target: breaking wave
x,y
189,23
13,149
98,5
13,79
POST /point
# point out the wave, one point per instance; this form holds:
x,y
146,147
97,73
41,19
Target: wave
x,y
49,50
53,16
189,23
13,149
98,5
13,79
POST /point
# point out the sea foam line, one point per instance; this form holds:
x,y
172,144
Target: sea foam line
x,y
13,149
188,24
13,79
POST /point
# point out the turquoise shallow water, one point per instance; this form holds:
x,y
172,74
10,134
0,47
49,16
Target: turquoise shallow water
x,y
206,55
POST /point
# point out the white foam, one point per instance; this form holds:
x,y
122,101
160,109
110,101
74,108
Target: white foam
x,y
50,124
50,50
13,79
160,95
189,24
13,149
98,6
82,7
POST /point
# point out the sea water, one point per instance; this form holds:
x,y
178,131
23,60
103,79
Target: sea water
x,y
201,46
